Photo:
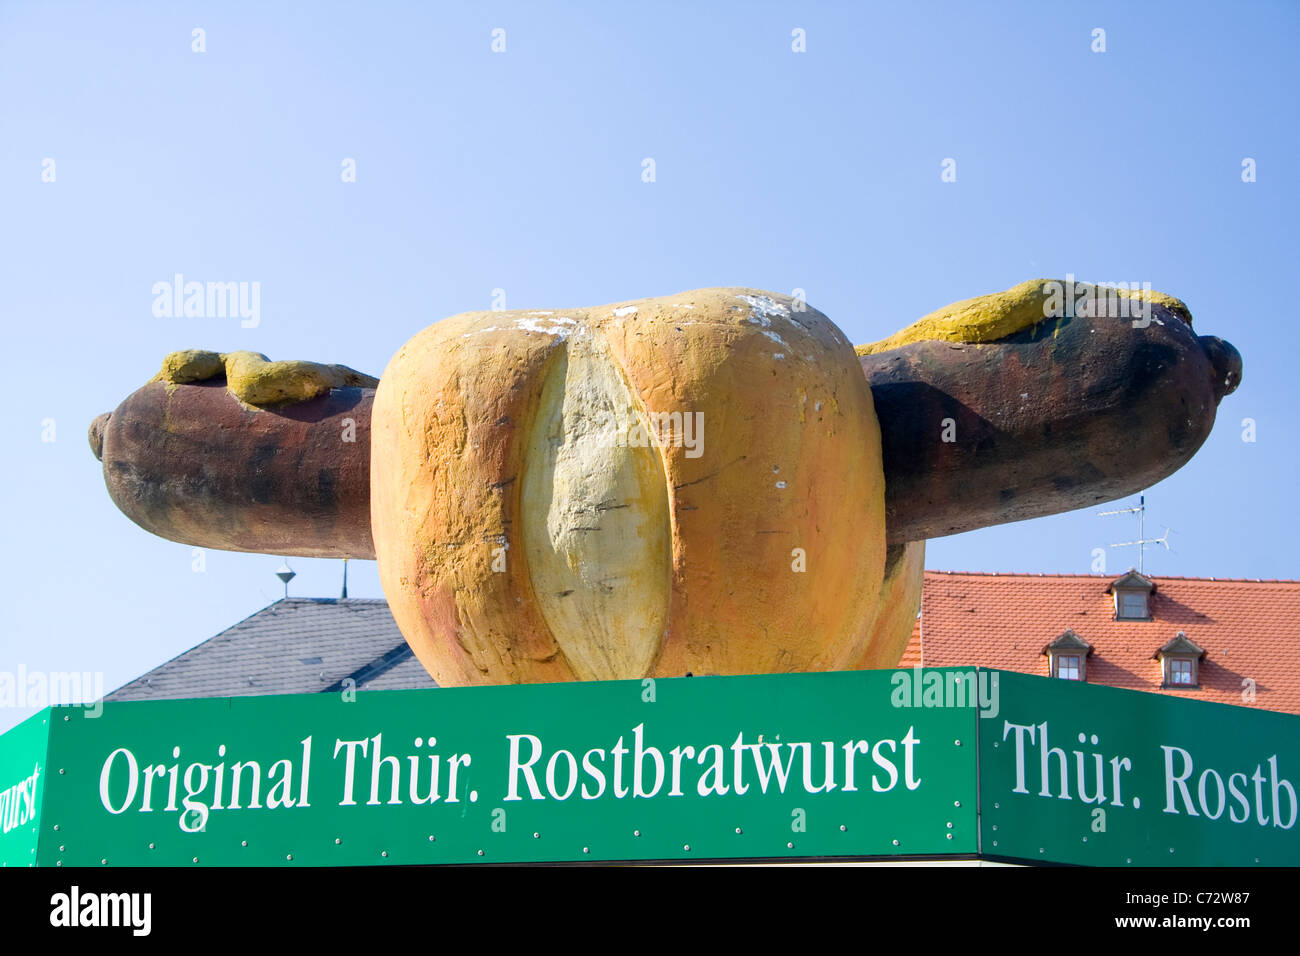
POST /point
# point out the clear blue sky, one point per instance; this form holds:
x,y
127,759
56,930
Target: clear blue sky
x,y
522,171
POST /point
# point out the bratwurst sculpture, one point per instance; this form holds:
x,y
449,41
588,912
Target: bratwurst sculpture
x,y
714,482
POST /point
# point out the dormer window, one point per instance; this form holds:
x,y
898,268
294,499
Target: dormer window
x,y
1067,657
1131,604
1180,673
1069,666
1132,597
1180,663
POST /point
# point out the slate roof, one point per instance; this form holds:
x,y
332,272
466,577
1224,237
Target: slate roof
x,y
294,646
1250,629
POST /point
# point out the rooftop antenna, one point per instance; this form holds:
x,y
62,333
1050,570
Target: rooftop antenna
x,y
344,595
1141,541
286,574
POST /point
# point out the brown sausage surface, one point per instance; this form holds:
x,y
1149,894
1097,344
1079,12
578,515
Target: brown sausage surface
x,y
191,463
1067,414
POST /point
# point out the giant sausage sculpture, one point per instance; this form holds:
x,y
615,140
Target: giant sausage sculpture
x,y
714,482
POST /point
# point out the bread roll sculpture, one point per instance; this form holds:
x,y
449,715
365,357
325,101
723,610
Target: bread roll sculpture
x,y
714,482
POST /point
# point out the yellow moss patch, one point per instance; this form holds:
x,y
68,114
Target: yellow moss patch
x,y
988,318
190,365
256,380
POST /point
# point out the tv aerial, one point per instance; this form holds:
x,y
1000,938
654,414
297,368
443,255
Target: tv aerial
x,y
1142,541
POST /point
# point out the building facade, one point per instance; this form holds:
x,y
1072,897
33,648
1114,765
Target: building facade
x,y
1227,640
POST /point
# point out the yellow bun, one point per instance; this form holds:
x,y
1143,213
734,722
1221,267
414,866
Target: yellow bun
x,y
689,484
900,597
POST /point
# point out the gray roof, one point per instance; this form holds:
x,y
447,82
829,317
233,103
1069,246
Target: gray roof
x,y
294,646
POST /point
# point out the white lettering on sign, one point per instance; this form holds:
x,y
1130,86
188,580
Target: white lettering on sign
x,y
18,802
1240,795
387,768
1274,796
237,787
775,765
1056,773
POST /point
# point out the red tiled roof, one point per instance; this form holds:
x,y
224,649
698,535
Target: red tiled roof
x,y
912,655
1250,629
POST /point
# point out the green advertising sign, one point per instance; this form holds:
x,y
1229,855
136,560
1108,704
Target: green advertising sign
x,y
22,787
1074,773
682,769
911,763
